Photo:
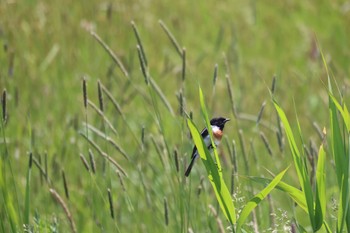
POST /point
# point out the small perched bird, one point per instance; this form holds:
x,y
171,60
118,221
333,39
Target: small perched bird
x,y
217,126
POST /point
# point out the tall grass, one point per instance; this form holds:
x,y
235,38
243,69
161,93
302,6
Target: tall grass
x,y
124,169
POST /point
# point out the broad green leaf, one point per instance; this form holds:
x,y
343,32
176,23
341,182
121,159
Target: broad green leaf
x,y
248,208
221,191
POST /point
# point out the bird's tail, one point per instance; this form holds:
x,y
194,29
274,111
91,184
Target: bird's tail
x,y
189,168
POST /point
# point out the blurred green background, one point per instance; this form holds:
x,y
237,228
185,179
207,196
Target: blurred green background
x,y
47,50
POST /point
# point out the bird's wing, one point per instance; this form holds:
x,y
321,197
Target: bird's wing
x,y
204,133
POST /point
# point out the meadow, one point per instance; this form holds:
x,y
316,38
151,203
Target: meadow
x,y
99,100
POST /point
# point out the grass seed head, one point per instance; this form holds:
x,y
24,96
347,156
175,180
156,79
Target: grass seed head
x,y
84,93
86,164
176,159
273,85
4,105
100,96
60,201
110,203
166,214
65,184
92,161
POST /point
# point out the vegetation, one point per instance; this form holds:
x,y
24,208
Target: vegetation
x,y
100,100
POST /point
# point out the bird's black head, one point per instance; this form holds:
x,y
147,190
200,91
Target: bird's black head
x,y
219,122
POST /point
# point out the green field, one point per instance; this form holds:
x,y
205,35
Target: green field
x,y
117,164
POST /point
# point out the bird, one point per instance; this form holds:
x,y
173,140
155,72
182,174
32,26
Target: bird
x,y
217,127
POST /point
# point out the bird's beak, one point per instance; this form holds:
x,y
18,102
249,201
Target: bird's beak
x,y
227,119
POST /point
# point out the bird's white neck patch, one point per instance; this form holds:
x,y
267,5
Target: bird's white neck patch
x,y
214,128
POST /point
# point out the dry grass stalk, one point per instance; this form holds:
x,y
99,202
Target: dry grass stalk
x,y
41,169
161,95
272,212
138,38
200,186
99,112
104,154
255,222
143,64
118,148
108,139
60,201
86,164
318,130
171,37
221,228
121,180
111,53
266,143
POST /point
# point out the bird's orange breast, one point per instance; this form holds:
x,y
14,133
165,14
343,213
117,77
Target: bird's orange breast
x,y
218,134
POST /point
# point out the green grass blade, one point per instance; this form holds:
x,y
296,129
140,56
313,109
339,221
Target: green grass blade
x,y
320,208
7,203
343,209
346,117
327,228
343,111
346,192
257,199
221,191
27,193
296,194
